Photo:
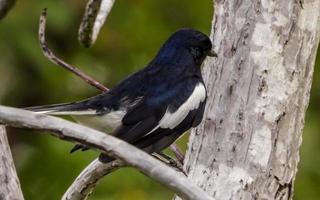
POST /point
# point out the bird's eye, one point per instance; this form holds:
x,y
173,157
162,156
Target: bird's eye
x,y
195,52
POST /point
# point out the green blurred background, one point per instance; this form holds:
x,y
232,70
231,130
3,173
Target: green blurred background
x,y
133,33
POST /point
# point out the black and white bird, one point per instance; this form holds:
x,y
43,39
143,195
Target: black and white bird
x,y
154,106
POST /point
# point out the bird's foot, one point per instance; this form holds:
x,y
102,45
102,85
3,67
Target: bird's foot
x,y
79,147
172,162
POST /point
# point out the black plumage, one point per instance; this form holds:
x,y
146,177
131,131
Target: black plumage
x,y
154,106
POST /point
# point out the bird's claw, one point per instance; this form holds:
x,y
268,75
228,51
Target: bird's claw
x,y
174,163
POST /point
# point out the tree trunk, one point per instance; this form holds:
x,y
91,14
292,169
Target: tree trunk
x,y
258,91
9,182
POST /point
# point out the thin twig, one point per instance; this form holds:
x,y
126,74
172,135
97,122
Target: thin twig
x,y
94,17
106,144
84,184
50,55
177,152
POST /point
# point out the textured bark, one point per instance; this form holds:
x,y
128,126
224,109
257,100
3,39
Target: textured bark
x,y
9,181
94,17
258,91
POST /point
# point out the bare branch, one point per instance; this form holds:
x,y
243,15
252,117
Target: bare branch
x,y
5,6
50,55
177,152
94,17
9,181
82,187
106,144
88,179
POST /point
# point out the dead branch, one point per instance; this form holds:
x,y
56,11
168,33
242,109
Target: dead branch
x,y
84,184
50,55
107,144
94,17
177,152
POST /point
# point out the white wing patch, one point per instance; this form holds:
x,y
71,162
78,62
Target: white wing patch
x,y
172,120
106,123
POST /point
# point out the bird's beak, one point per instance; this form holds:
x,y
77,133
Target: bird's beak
x,y
212,53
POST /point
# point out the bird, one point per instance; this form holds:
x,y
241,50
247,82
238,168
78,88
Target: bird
x,y
154,106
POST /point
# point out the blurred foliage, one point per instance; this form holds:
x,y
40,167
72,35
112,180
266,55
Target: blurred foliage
x,y
133,33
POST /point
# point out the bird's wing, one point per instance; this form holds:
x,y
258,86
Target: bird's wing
x,y
199,114
104,111
163,137
166,110
127,93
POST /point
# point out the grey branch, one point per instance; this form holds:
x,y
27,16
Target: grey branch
x,y
94,17
177,152
5,6
9,181
82,187
106,144
53,58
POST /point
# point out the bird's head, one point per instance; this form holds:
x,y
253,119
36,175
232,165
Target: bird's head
x,y
185,45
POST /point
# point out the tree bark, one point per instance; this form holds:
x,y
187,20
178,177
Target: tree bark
x,y
258,91
9,181
94,17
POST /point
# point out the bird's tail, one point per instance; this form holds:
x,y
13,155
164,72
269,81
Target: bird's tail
x,y
77,108
62,109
